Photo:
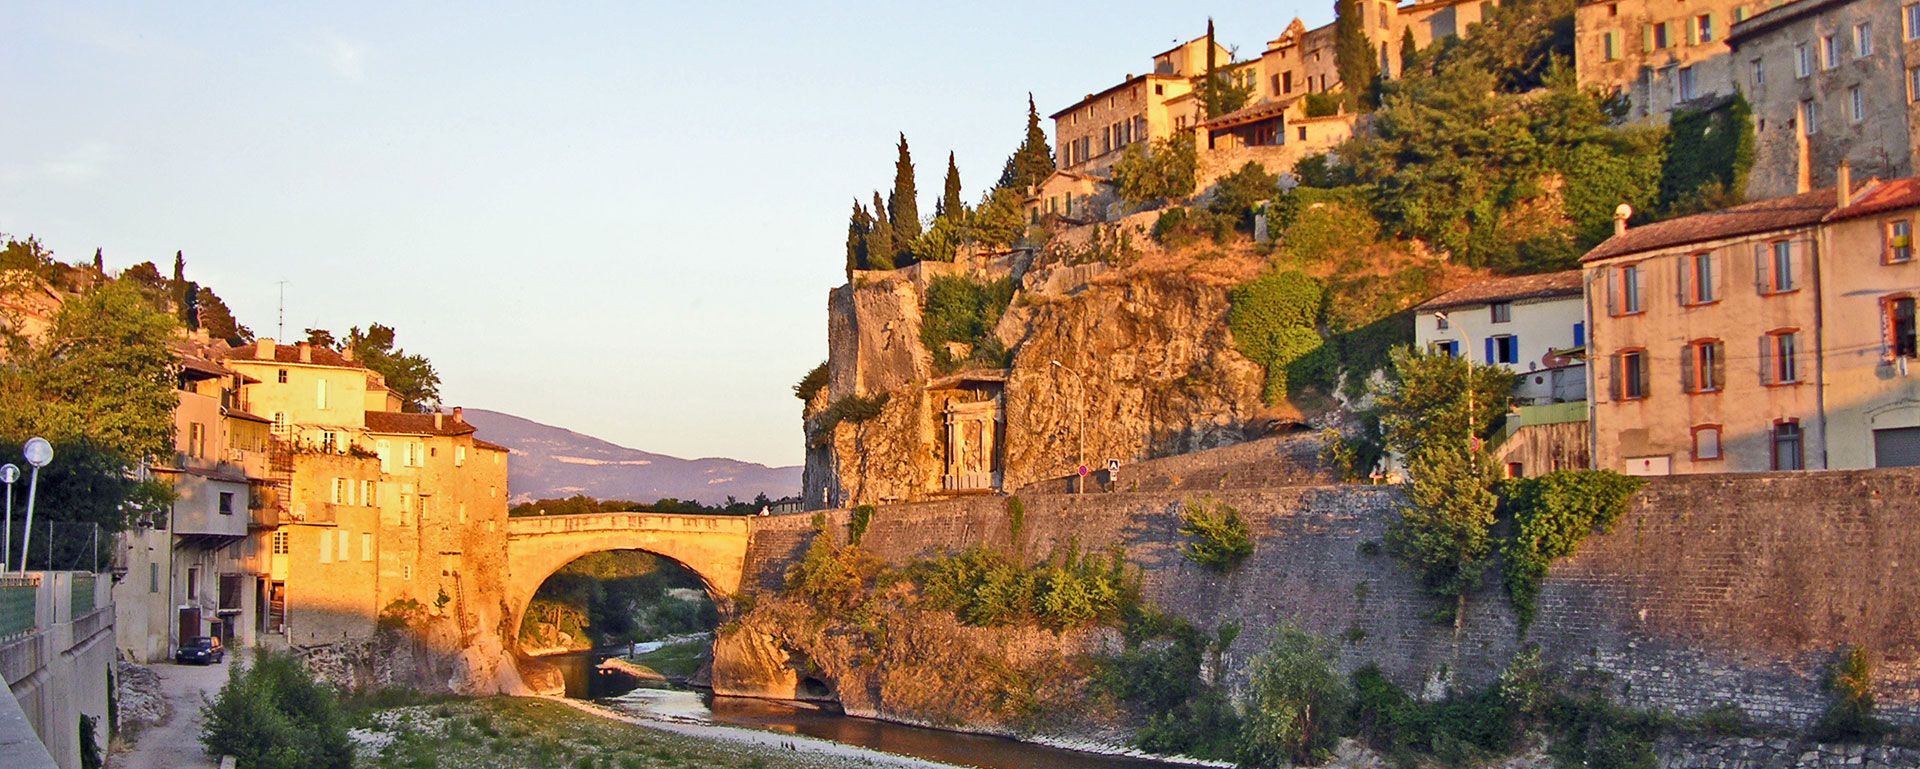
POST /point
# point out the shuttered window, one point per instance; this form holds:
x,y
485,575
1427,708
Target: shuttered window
x,y
1703,366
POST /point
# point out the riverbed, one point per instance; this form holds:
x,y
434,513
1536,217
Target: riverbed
x,y
653,702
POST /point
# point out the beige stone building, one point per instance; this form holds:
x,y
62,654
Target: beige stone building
x,y
1829,81
1869,283
1660,54
1706,345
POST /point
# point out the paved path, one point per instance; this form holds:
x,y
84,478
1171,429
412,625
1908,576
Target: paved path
x,y
176,743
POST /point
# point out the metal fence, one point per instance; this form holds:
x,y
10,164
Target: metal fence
x,y
18,601
82,595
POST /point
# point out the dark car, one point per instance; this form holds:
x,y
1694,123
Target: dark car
x,y
205,650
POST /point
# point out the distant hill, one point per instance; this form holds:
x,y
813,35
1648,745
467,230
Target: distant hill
x,y
551,462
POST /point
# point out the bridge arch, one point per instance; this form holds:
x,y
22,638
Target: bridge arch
x,y
714,547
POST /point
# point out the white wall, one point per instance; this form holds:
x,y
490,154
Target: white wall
x,y
1538,326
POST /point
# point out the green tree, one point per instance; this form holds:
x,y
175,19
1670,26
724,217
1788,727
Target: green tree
x,y
412,377
903,205
1297,700
859,229
218,320
273,714
1409,52
103,372
1237,193
1032,163
1435,398
998,220
1354,55
950,205
1168,171
880,251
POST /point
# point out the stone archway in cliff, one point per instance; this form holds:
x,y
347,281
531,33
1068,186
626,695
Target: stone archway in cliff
x,y
712,547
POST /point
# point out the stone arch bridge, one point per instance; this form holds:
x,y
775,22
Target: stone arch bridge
x,y
712,546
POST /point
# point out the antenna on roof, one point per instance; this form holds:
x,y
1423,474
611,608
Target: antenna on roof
x,y
283,311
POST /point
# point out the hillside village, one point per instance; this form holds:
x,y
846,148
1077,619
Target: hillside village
x,y
1698,239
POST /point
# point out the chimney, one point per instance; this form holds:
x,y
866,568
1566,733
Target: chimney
x,y
306,352
347,352
1621,214
263,348
1844,183
456,415
436,419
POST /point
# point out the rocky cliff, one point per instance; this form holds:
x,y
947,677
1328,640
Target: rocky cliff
x,y
1104,363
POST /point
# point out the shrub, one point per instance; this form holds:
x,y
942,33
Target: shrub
x,y
1168,171
274,715
1237,193
965,311
90,746
811,384
1180,227
1850,718
1070,589
830,577
1551,515
1221,539
1016,519
1321,104
1162,683
1293,714
1313,224
857,528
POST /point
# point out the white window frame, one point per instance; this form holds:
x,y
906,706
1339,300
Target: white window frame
x,y
1829,51
1856,104
1809,118
1802,60
1863,40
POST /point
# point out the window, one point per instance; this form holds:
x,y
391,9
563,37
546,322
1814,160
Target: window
x,y
1630,375
1706,442
339,491
1686,84
1698,278
1703,28
1786,445
279,421
1286,82
1440,321
1159,90
1901,339
280,545
1502,311
1613,9
1863,39
1913,82
367,497
329,441
1516,470
1759,74
1739,14
1580,334
153,578
320,394
1703,366
1610,46
1450,348
1385,15
1913,21
326,548
1802,60
1779,358
459,456
1899,235
366,546
1504,348
344,541
1624,291
193,583
1303,133
1774,267
226,503
1855,104
283,376
1659,36
1809,117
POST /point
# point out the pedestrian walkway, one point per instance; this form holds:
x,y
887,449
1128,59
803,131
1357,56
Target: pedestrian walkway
x,y
176,743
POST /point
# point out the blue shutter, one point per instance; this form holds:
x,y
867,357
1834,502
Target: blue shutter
x,y
1490,358
1513,349
1580,334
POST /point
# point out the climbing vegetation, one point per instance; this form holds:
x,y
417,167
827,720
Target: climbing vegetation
x,y
1219,538
1551,515
957,321
1273,320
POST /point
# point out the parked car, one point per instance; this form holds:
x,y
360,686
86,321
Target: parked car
x,y
205,650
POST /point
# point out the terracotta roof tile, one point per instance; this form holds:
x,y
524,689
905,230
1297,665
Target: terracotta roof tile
x,y
1800,210
415,424
287,353
1889,196
1508,290
480,444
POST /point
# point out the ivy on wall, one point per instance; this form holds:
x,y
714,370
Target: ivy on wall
x,y
1709,152
1551,515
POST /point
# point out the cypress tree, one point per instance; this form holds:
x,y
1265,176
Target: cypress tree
x,y
858,227
950,205
903,206
1353,53
99,262
1033,161
880,238
1409,52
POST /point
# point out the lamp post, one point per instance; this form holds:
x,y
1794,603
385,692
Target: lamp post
x,y
8,474
39,452
1080,486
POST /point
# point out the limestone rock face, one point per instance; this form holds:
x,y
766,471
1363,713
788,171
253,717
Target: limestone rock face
x,y
1145,368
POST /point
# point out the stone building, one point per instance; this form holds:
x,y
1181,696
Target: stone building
x,y
1660,54
1535,326
1829,81
1869,282
1706,341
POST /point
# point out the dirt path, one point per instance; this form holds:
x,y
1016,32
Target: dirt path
x,y
176,743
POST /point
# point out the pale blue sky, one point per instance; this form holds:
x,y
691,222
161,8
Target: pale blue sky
x,y
618,218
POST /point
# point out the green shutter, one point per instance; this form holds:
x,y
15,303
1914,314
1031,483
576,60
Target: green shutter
x,y
1692,30
1713,25
1646,38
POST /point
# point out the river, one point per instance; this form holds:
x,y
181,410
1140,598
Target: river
x,y
623,692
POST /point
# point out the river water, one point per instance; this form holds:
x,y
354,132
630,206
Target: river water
x,y
623,692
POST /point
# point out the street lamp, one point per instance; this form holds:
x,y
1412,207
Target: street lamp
x,y
8,474
39,453
1080,468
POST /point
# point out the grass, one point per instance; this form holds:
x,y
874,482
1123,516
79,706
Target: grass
x,y
502,732
675,660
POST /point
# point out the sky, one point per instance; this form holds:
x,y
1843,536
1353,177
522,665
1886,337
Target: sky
x,y
620,218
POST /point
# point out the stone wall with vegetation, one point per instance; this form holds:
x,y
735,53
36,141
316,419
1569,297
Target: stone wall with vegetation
x,y
1712,591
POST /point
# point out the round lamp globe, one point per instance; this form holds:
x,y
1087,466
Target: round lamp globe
x,y
9,474
39,452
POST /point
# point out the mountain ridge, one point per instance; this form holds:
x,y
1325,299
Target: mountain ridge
x,y
550,462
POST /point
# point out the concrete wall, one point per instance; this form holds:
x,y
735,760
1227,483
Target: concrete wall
x,y
1713,589
59,671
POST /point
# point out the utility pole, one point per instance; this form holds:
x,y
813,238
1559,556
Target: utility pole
x,y
282,334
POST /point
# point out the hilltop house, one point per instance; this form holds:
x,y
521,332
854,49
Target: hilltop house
x,y
1660,54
